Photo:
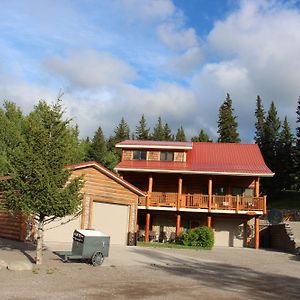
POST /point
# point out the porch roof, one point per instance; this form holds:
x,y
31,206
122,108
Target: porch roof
x,y
208,158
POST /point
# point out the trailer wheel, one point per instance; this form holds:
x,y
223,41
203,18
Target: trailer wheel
x,y
97,259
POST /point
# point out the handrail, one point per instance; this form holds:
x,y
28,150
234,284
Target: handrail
x,y
197,201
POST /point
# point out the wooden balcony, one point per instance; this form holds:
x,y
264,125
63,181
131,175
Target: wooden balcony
x,y
199,201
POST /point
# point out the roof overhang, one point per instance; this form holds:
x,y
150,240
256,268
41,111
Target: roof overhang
x,y
108,173
149,147
197,172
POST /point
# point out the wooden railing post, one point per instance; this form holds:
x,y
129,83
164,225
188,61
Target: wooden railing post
x,y
179,196
237,203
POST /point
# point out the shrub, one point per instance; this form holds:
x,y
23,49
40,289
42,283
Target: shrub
x,y
202,237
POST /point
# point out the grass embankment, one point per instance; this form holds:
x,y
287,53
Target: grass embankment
x,y
284,200
169,245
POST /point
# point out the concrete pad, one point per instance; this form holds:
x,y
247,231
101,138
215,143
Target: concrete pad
x,y
3,264
19,266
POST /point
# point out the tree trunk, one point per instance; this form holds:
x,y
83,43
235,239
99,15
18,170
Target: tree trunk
x,y
39,244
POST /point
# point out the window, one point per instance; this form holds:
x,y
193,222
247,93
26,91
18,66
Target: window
x,y
219,191
249,192
166,155
237,191
139,155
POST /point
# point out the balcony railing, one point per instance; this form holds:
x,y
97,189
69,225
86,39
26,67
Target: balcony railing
x,y
198,201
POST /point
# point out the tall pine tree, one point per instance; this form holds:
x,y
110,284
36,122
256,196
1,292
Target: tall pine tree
x,y
180,135
227,125
142,131
260,122
158,131
297,150
285,162
202,137
97,150
168,136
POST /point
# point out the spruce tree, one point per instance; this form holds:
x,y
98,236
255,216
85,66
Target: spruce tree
x,y
271,137
97,150
260,122
297,148
227,125
40,186
158,131
285,161
202,137
180,135
167,133
141,131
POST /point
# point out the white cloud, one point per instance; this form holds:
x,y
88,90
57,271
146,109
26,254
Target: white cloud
x,y
91,69
145,10
177,39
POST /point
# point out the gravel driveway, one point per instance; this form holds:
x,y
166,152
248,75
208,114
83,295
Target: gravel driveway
x,y
148,273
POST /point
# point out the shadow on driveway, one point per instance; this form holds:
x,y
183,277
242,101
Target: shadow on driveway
x,y
244,281
25,248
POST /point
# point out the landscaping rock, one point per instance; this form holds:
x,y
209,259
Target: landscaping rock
x,y
3,264
20,266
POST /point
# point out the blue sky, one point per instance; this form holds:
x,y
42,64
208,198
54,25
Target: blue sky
x,y
174,59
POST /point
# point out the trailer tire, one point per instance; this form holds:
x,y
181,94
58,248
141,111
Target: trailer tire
x,y
97,259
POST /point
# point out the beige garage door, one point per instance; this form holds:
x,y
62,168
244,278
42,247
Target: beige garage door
x,y
61,230
228,233
113,220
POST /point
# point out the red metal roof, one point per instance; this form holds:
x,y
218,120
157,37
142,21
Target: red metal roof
x,y
209,158
108,173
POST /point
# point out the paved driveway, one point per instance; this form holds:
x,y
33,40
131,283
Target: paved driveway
x,y
147,273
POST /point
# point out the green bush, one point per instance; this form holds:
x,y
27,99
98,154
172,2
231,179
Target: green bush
x,y
202,237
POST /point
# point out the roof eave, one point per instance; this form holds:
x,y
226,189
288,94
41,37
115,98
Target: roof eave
x,y
196,172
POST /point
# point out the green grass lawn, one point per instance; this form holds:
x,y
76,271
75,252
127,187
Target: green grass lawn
x,y
284,200
168,245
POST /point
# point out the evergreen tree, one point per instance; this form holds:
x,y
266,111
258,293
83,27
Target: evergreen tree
x,y
260,122
11,123
158,131
297,148
141,131
167,132
180,135
227,125
271,137
285,161
121,133
202,137
97,150
40,186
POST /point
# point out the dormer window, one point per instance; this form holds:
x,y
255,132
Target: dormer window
x,y
167,155
139,155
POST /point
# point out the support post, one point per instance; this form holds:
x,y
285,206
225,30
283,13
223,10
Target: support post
x,y
178,219
150,187
90,214
209,193
82,223
245,233
256,242
147,227
209,221
265,205
257,187
179,193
